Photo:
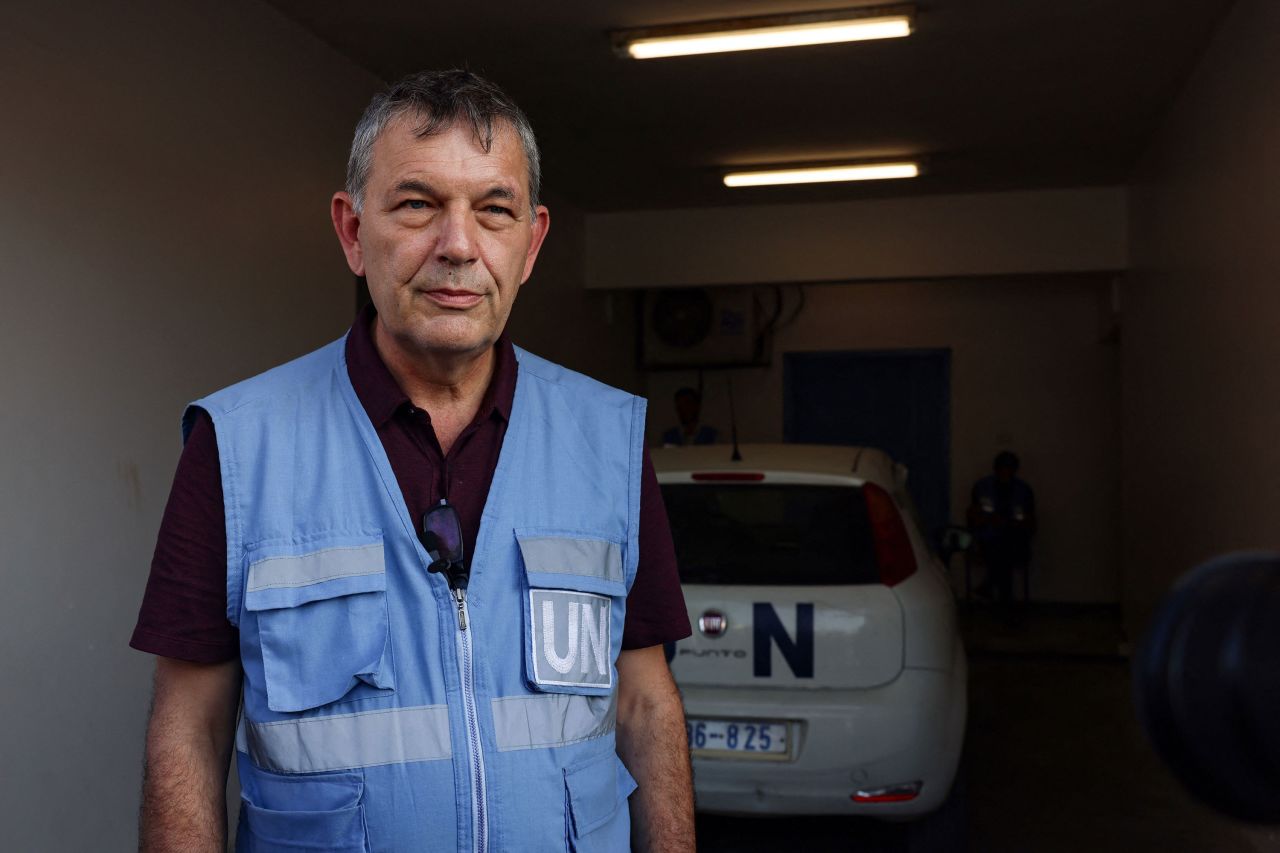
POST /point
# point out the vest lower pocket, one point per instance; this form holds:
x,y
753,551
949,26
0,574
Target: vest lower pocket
x,y
265,831
322,625
285,812
596,795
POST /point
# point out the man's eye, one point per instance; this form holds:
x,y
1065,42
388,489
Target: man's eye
x,y
416,204
498,210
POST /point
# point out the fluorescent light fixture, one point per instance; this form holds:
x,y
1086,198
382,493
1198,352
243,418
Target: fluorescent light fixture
x,y
862,24
823,174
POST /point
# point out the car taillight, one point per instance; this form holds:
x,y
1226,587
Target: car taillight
x,y
894,555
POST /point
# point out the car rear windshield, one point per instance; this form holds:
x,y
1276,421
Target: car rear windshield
x,y
770,534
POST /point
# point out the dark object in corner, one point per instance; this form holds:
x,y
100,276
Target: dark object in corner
x,y
1206,684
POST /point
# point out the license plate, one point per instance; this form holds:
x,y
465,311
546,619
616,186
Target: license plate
x,y
742,738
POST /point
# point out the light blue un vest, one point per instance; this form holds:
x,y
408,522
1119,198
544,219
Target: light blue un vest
x,y
373,722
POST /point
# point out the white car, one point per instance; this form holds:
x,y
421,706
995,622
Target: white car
x,y
825,674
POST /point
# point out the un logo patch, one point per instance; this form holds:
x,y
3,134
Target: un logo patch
x,y
571,638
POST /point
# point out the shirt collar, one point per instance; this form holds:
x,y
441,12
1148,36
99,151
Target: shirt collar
x,y
382,397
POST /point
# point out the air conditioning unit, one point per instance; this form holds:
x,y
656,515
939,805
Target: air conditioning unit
x,y
702,327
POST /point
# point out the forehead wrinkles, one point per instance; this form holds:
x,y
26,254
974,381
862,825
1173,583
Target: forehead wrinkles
x,y
451,155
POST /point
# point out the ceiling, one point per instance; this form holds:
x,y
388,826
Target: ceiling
x,y
994,94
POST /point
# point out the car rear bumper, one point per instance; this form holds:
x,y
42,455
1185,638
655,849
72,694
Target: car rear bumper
x,y
843,741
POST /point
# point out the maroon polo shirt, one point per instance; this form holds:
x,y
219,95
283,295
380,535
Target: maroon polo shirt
x,y
184,609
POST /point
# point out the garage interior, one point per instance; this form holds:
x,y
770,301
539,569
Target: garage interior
x,y
1092,240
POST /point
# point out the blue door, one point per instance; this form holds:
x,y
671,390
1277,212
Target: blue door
x,y
896,400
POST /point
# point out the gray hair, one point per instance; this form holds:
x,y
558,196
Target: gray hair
x,y
440,99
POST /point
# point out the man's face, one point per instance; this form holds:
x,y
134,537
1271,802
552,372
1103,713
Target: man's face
x,y
445,239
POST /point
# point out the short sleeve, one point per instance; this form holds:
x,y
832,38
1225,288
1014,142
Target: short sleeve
x,y
655,606
184,608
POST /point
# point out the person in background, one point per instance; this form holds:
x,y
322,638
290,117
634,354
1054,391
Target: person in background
x,y
690,430
1002,516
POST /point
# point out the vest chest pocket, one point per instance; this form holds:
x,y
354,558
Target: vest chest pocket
x,y
323,630
573,611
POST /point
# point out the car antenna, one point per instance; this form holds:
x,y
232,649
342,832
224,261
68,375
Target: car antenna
x,y
733,423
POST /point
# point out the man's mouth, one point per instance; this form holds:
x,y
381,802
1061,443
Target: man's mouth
x,y
447,297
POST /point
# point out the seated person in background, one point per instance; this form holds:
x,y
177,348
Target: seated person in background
x,y
1002,516
690,431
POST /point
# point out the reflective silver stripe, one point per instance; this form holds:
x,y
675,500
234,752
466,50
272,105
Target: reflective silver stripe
x,y
305,569
551,719
344,741
595,558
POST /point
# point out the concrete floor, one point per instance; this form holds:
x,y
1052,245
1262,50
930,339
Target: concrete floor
x,y
1060,764
1056,760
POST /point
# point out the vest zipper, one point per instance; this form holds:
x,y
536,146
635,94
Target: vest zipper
x,y
479,818
461,596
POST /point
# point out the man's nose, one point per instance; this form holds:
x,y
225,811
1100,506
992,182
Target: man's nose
x,y
456,241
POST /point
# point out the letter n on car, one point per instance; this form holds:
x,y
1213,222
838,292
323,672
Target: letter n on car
x,y
767,629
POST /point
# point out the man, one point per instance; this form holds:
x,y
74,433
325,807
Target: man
x,y
1002,516
440,566
690,430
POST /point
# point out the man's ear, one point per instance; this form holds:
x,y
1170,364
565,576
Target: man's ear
x,y
541,225
347,223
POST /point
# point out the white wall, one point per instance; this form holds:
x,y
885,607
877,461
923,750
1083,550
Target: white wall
x,y
1042,231
1028,371
1202,318
163,227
